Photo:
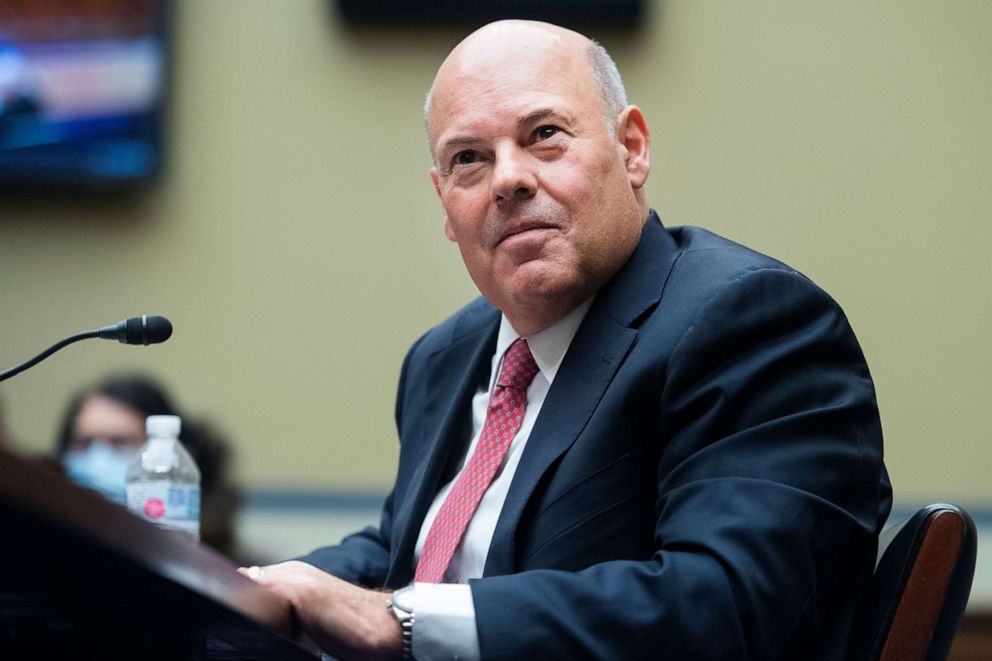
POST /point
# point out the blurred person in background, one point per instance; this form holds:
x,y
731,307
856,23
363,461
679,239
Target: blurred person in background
x,y
103,428
5,440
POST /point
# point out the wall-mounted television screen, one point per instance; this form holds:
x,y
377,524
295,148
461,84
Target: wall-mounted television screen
x,y
82,87
570,13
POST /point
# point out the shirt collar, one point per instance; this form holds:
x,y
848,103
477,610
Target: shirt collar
x,y
549,346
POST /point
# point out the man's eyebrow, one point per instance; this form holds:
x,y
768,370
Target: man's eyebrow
x,y
539,114
456,142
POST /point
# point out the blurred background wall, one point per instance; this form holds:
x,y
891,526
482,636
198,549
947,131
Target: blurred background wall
x,y
295,240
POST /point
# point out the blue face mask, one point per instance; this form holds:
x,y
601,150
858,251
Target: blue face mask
x,y
101,468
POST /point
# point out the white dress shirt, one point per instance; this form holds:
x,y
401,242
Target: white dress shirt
x,y
445,625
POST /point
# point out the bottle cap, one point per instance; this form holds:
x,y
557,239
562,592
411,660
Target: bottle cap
x,y
163,425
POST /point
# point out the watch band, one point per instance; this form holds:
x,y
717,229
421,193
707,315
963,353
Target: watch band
x,y
406,619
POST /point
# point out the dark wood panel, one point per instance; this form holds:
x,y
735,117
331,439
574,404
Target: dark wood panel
x,y
81,577
974,639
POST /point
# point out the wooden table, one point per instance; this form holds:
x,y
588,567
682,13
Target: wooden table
x,y
82,578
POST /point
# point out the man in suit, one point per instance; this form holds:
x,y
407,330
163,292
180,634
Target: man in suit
x,y
639,443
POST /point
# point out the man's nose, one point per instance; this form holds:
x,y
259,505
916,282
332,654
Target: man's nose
x,y
514,175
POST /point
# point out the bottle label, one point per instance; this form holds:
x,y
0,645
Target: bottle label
x,y
167,504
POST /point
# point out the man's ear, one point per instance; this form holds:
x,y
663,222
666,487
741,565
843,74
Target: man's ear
x,y
435,181
633,135
448,231
437,189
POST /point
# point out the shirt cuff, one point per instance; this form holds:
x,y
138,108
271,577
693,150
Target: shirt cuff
x,y
444,624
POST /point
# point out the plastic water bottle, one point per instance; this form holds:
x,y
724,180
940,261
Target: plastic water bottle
x,y
163,482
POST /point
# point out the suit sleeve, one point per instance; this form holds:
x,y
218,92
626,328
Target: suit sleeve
x,y
364,557
768,498
361,558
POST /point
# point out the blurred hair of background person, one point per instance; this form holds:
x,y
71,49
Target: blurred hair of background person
x,y
103,428
5,440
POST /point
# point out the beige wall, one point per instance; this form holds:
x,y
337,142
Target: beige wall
x,y
296,242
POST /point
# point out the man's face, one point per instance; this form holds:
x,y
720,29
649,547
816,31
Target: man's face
x,y
535,187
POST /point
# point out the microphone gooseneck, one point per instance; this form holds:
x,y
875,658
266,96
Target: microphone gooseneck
x,y
136,330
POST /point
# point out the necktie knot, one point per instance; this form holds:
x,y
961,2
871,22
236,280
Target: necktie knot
x,y
519,367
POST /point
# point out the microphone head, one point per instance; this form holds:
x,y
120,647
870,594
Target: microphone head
x,y
145,330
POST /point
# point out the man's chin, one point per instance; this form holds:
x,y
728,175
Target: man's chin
x,y
539,280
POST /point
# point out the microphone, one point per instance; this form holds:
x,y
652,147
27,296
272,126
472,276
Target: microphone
x,y
136,330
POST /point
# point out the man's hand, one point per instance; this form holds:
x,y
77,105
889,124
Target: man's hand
x,y
344,620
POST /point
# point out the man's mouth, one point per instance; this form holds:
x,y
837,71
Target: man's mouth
x,y
522,228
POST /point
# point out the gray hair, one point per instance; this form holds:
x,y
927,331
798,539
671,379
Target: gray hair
x,y
611,89
607,75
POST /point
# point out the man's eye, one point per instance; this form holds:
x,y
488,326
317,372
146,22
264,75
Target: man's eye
x,y
546,132
465,157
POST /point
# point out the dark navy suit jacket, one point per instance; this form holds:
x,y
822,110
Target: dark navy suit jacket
x,y
704,481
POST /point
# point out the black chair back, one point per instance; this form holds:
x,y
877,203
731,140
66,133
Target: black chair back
x,y
920,588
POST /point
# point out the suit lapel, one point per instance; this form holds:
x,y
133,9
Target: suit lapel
x,y
596,353
444,430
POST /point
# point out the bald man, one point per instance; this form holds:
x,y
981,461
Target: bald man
x,y
639,442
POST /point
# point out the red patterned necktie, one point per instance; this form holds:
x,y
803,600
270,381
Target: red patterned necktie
x,y
503,418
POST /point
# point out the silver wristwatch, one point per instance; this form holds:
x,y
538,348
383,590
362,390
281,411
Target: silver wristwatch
x,y
400,604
